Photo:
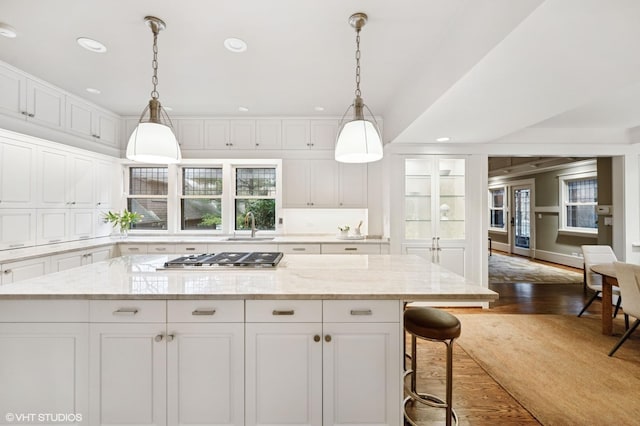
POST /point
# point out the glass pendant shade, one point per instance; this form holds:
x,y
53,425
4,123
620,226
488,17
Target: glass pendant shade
x,y
153,143
358,142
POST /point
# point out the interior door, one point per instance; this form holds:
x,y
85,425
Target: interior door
x,y
521,224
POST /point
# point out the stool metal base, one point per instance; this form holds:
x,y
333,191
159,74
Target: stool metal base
x,y
424,398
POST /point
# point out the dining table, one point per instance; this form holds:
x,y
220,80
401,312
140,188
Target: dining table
x,y
609,279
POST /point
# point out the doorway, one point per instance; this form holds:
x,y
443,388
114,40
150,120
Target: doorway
x,y
521,224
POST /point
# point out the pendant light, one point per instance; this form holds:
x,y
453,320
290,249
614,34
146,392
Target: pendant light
x,y
153,140
358,138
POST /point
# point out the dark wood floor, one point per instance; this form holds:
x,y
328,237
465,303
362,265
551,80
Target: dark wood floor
x,y
478,399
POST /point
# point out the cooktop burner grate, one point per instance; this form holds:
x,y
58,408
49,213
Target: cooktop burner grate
x,y
236,259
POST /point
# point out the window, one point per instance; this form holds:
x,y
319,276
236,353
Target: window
x,y
201,198
148,189
497,208
255,192
579,197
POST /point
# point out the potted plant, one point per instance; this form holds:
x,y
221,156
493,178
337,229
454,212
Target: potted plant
x,y
122,220
344,230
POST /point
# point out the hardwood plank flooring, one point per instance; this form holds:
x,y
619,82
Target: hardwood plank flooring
x,y
478,399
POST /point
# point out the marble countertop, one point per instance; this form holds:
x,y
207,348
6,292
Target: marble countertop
x,y
403,277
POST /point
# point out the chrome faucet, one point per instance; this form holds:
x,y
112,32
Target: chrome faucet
x,y
253,223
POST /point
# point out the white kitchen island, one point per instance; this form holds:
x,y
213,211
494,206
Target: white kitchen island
x,y
314,341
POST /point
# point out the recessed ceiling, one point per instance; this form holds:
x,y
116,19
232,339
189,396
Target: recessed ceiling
x,y
473,70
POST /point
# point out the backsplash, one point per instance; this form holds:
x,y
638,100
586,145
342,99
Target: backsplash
x,y
322,221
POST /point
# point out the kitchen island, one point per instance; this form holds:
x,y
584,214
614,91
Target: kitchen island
x,y
316,340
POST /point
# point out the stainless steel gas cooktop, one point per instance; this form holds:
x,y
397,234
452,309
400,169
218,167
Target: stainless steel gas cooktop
x,y
256,259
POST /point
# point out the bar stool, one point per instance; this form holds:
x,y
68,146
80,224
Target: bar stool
x,y
437,326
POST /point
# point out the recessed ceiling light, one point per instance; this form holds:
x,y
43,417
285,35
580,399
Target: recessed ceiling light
x,y
319,108
92,45
243,109
93,91
7,31
443,139
235,45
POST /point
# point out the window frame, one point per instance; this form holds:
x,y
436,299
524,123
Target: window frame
x,y
127,194
182,196
234,196
505,209
563,203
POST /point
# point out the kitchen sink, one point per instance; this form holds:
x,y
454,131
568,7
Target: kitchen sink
x,y
249,239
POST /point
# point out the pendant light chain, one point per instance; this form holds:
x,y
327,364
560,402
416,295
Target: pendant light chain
x,y
358,93
154,65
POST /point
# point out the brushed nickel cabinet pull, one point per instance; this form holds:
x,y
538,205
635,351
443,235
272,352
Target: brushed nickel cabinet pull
x,y
190,249
159,337
361,312
203,312
170,337
125,311
299,249
351,248
161,248
7,271
277,312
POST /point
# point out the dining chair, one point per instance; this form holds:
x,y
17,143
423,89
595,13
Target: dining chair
x,y
628,276
593,255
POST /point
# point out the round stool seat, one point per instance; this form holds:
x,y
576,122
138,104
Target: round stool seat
x,y
431,323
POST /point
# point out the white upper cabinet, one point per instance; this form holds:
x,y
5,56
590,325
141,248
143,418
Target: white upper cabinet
x,y
80,182
230,134
88,121
17,175
268,134
106,179
52,178
353,185
309,134
23,97
17,228
216,134
190,133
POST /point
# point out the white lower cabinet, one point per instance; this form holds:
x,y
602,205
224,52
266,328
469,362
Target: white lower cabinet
x,y
43,366
345,370
451,258
74,259
24,269
144,371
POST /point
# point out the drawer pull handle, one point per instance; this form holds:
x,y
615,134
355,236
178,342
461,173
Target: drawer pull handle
x,y
277,312
203,312
351,248
161,248
55,241
159,337
84,237
133,249
316,338
190,249
327,338
299,249
125,311
7,271
170,337
361,312
16,245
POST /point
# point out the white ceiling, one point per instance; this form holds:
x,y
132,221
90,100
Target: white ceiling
x,y
473,70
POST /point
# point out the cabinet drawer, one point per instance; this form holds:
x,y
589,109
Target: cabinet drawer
x,y
44,310
284,310
191,248
361,311
127,310
299,248
133,249
205,311
350,248
161,248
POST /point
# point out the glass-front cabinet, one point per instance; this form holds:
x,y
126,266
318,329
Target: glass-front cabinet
x,y
432,222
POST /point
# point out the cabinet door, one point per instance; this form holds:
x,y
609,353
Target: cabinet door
x,y
17,175
25,269
353,185
44,369
323,183
323,134
127,374
79,117
242,134
205,374
106,128
190,133
98,255
295,134
295,177
105,181
283,374
451,258
216,134
53,175
268,134
45,104
80,224
12,93
53,226
81,182
17,228
361,367
64,261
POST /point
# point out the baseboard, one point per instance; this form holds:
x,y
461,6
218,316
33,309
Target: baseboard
x,y
559,258
500,247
